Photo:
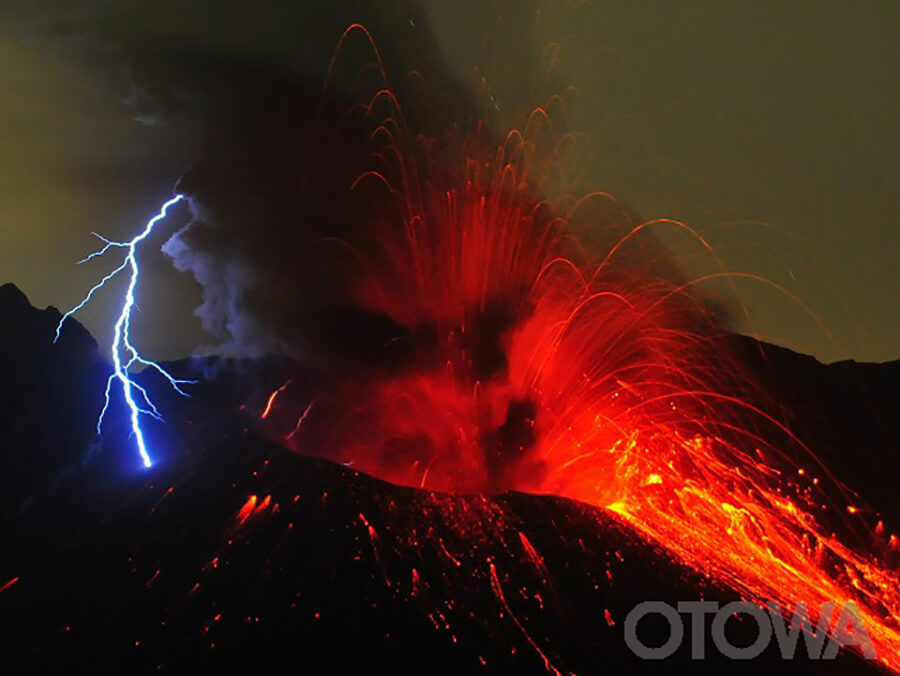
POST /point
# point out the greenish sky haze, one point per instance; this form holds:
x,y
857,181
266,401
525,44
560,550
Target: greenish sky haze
x,y
771,126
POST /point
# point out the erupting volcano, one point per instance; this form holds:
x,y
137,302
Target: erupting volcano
x,y
538,361
454,312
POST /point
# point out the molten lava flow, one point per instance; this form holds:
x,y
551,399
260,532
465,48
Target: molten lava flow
x,y
556,366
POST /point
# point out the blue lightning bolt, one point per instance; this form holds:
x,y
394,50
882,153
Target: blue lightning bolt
x,y
124,354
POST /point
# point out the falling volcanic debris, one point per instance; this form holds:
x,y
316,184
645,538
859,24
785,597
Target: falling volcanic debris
x,y
465,322
462,317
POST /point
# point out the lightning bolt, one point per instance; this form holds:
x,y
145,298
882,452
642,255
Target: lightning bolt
x,y
124,355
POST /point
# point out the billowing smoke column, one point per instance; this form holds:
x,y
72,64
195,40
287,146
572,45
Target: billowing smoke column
x,y
462,322
125,356
410,264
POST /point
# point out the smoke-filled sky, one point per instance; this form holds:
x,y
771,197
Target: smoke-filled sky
x,y
770,126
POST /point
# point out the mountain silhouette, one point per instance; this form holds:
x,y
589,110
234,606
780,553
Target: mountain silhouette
x,y
234,554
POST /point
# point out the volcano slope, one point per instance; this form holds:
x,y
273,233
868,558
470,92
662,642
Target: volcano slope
x,y
233,553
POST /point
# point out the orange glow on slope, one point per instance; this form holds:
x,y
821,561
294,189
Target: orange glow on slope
x,y
577,369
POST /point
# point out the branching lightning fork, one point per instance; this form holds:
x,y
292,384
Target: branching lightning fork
x,y
124,354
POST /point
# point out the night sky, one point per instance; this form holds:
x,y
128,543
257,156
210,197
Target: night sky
x,y
780,115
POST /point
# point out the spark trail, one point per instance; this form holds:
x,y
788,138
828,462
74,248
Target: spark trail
x,y
124,354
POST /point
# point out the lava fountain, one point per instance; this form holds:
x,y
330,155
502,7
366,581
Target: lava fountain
x,y
549,350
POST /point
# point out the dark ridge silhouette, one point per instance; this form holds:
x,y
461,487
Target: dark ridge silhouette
x,y
235,554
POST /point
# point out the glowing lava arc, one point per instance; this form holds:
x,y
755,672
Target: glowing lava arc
x,y
122,363
569,357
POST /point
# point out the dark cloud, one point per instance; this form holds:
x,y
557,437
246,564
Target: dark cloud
x,y
701,114
272,183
